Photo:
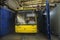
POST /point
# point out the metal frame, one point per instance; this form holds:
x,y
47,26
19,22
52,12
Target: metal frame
x,y
48,20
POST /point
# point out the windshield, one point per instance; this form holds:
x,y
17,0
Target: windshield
x,y
26,18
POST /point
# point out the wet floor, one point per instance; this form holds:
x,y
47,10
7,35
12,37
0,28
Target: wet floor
x,y
26,37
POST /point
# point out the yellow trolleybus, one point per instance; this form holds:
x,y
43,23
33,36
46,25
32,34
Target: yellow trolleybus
x,y
26,22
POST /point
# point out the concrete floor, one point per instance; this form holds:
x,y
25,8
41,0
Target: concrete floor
x,y
26,37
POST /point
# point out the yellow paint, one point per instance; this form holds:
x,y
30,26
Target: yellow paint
x,y
26,29
26,8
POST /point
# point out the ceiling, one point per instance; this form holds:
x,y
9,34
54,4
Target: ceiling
x,y
14,4
31,3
